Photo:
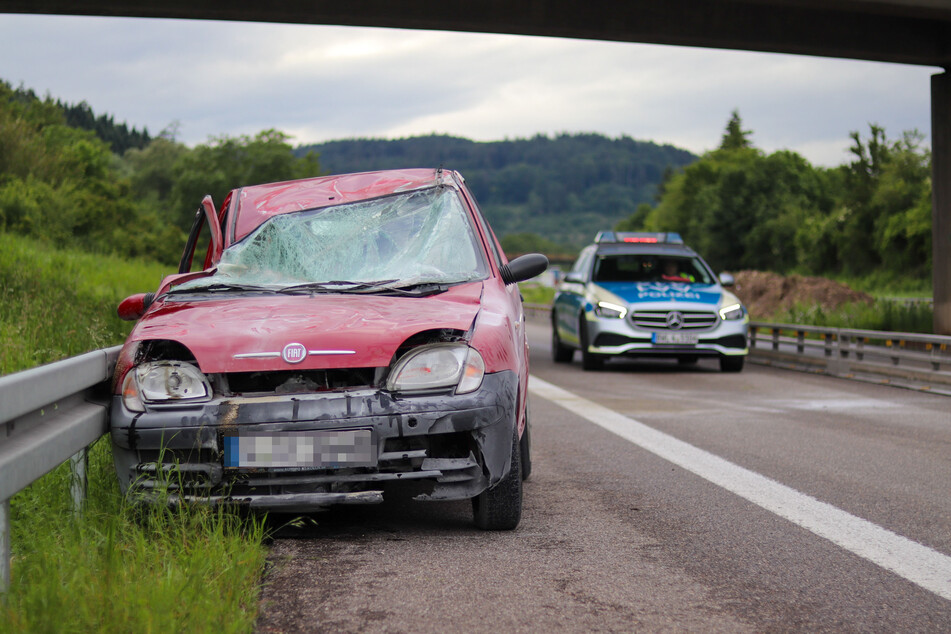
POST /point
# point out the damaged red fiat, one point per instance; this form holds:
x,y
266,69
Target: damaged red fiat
x,y
346,337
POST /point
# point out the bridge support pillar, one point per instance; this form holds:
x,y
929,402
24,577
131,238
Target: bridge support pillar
x,y
941,200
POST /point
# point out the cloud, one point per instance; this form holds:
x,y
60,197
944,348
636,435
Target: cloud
x,y
322,83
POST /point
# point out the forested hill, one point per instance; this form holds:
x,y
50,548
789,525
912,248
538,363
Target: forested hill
x,y
118,136
565,188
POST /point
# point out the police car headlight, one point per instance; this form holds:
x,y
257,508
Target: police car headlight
x,y
733,311
607,309
438,366
164,382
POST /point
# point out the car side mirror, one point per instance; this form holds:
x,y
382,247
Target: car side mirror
x,y
523,268
133,307
574,278
726,279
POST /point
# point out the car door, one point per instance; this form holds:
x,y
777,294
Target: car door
x,y
570,300
204,217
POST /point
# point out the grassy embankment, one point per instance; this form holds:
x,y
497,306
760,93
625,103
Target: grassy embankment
x,y
116,568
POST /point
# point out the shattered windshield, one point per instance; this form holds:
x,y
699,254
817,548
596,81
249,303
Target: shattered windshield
x,y
412,238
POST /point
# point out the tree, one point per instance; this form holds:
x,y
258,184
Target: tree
x,y
738,207
735,137
226,163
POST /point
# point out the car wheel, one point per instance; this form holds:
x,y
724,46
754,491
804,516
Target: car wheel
x,y
500,507
589,360
525,445
731,364
687,360
560,353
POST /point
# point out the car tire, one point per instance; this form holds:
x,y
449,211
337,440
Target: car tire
x,y
731,364
589,361
560,353
525,445
499,508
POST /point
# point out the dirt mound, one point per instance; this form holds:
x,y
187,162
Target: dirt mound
x,y
766,294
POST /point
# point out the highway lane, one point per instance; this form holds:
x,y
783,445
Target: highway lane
x,y
616,538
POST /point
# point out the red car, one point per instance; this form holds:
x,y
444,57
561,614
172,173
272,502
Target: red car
x,y
348,336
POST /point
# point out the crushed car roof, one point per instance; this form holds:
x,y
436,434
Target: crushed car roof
x,y
257,203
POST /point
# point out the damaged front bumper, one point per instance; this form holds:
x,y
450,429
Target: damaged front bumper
x,y
436,447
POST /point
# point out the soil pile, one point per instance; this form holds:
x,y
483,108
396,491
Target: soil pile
x,y
766,294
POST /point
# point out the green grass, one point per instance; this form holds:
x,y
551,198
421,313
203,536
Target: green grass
x,y
115,568
537,294
57,304
885,284
126,568
886,315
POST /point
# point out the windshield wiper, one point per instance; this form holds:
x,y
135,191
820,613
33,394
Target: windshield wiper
x,y
381,287
337,286
222,287
417,289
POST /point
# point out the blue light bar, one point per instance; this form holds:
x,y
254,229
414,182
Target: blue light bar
x,y
639,237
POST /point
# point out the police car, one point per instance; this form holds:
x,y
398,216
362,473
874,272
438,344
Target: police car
x,y
647,294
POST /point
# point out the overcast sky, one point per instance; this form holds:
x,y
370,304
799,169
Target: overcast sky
x,y
320,83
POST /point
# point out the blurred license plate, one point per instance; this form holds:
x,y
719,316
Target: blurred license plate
x,y
327,449
681,338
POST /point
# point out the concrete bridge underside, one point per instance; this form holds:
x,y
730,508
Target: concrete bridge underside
x,y
904,31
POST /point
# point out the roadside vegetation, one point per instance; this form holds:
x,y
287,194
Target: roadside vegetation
x,y
884,314
866,222
57,303
115,568
125,568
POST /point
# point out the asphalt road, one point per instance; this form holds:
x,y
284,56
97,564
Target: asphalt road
x,y
763,501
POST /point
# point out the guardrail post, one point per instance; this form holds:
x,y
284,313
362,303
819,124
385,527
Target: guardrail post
x,y
78,484
752,336
775,338
4,546
800,341
829,337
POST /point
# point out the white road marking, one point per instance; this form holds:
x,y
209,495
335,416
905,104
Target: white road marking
x,y
917,563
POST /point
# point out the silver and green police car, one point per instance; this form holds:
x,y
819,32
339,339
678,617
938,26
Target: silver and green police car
x,y
647,294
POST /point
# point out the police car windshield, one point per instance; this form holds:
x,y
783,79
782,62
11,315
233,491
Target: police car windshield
x,y
650,268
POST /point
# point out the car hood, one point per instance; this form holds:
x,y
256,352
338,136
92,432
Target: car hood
x,y
250,333
635,293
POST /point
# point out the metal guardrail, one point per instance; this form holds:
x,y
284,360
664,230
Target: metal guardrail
x,y
924,360
49,415
905,359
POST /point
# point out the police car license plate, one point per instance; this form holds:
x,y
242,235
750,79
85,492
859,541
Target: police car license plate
x,y
322,449
678,338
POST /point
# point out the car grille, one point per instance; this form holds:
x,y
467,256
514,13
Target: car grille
x,y
657,319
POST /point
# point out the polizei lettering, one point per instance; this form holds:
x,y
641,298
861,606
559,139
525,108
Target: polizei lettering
x,y
660,290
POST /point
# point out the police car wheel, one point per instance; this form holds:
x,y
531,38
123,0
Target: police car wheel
x,y
560,353
731,364
589,360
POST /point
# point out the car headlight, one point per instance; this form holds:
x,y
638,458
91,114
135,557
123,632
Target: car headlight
x,y
733,311
607,309
438,366
164,382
